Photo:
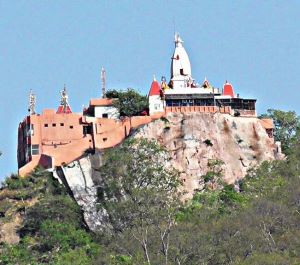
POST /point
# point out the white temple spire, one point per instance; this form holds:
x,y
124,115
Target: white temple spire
x,y
181,72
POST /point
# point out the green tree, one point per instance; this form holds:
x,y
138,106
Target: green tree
x,y
129,102
213,177
113,93
286,125
52,229
141,195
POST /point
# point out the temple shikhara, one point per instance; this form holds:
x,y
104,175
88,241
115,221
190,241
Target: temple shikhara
x,y
183,93
57,137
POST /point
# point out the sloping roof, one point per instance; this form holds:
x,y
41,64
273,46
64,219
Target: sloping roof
x,y
101,102
155,89
267,123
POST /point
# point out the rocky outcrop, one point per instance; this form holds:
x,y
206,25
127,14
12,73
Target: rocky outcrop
x,y
78,177
194,138
191,140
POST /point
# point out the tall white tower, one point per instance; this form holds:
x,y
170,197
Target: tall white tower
x,y
181,72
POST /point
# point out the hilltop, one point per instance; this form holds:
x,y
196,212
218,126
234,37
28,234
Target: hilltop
x,y
258,224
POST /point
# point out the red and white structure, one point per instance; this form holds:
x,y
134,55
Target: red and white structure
x,y
183,93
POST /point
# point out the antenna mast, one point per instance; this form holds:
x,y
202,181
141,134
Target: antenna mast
x,y
103,80
32,102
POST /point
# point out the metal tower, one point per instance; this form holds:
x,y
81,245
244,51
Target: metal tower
x,y
103,80
32,102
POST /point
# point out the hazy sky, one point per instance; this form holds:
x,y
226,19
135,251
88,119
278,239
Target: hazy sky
x,y
46,44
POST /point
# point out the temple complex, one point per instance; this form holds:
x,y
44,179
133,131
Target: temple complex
x,y
183,94
54,138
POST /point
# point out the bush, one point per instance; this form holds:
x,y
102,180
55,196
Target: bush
x,y
164,119
5,205
63,236
16,254
60,209
15,182
208,142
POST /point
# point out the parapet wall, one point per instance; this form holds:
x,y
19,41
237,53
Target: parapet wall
x,y
199,109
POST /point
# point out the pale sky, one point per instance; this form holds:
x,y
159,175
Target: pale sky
x,y
46,44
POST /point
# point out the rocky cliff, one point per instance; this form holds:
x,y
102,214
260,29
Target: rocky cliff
x,y
193,139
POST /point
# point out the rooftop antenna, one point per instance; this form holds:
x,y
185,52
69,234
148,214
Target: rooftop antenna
x,y
32,102
64,100
174,28
103,80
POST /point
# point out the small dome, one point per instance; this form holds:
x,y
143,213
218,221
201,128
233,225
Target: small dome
x,y
228,90
155,89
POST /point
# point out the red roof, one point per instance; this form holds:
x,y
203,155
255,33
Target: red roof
x,y
155,89
101,102
228,90
61,110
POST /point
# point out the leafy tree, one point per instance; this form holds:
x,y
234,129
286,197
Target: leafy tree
x,y
54,208
62,235
129,102
113,93
141,194
286,125
213,177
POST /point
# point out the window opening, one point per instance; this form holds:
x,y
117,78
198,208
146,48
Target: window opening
x,y
87,129
35,149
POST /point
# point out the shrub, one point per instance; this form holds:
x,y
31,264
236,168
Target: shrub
x,y
208,142
5,205
62,235
164,119
59,208
15,182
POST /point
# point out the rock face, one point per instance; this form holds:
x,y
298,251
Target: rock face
x,y
193,139
78,177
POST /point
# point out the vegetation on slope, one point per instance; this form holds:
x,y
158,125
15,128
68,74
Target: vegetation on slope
x,y
254,222
52,230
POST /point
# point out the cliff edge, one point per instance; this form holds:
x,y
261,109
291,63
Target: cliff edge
x,y
192,139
